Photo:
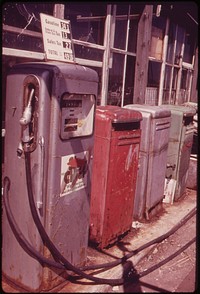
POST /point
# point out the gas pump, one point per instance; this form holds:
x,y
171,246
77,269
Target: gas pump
x,y
49,125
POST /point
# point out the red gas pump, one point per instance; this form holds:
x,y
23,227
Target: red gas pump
x,y
115,165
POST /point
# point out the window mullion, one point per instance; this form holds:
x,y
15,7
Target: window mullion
x,y
173,59
106,56
164,54
180,73
112,34
125,57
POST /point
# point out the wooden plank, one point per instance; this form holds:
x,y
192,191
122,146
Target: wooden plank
x,y
89,62
59,10
121,51
179,76
23,53
143,44
89,45
106,57
100,18
194,96
26,32
41,56
164,54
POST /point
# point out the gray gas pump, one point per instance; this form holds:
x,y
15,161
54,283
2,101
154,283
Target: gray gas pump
x,y
50,110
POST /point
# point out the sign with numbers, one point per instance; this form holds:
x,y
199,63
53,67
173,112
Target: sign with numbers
x,y
57,38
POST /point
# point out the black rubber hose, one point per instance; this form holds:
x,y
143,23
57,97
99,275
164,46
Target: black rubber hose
x,y
35,254
28,248
52,248
32,252
164,261
67,265
79,271
92,267
144,246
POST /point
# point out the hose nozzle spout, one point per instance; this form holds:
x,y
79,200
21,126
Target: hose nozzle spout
x,y
26,116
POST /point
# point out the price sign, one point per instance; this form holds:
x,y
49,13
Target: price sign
x,y
57,38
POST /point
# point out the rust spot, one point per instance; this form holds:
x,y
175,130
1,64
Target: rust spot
x,y
186,146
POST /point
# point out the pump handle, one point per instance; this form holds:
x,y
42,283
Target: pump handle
x,y
26,116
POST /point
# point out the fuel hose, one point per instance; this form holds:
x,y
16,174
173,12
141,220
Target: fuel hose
x,y
44,261
65,264
28,248
33,253
144,246
47,241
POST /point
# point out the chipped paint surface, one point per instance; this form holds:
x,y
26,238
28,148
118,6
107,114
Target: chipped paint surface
x,y
129,158
112,199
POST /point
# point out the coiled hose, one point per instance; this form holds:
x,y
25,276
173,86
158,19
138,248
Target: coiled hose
x,y
63,263
44,261
50,245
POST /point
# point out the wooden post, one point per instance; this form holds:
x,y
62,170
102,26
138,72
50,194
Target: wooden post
x,y
58,11
163,65
193,95
106,57
179,76
142,55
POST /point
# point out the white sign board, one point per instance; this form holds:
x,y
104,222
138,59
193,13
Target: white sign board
x,y
57,38
74,172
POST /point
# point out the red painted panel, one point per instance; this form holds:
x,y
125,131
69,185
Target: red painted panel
x,y
115,165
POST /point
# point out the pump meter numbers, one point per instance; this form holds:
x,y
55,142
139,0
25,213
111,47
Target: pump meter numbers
x,y
71,103
77,115
70,124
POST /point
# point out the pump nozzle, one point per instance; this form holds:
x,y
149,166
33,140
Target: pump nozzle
x,y
26,116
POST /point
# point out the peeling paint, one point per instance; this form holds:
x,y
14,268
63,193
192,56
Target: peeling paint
x,y
129,158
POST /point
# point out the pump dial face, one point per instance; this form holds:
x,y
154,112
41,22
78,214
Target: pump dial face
x,y
77,115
